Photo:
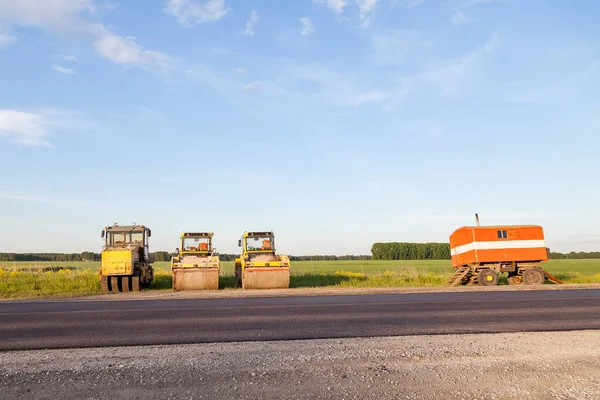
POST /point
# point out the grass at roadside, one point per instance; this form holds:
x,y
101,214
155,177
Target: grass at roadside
x,y
46,279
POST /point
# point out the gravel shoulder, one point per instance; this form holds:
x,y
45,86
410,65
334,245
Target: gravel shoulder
x,y
318,291
557,365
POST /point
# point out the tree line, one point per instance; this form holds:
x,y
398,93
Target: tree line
x,y
159,256
580,255
410,251
379,251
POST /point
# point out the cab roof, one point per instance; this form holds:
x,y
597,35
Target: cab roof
x,y
197,234
126,228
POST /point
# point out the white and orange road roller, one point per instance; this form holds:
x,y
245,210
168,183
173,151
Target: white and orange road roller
x,y
480,254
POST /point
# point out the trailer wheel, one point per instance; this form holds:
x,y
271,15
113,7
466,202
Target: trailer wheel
x,y
533,276
487,277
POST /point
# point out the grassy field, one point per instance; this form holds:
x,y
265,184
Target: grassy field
x,y
44,279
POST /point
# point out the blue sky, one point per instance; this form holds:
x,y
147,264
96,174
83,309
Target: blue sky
x,y
334,123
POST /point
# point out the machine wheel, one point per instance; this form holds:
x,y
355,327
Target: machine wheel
x,y
533,276
238,275
114,284
104,284
135,283
126,283
487,277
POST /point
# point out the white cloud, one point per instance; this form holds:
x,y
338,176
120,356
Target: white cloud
x,y
330,86
393,49
48,200
470,3
250,23
249,87
57,14
414,3
337,6
25,128
63,70
198,12
452,75
307,26
238,70
6,40
367,8
125,51
460,18
68,58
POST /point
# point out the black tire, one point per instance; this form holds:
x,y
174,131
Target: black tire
x,y
487,277
533,276
238,275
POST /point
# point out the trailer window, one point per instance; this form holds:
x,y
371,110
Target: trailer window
x,y
502,235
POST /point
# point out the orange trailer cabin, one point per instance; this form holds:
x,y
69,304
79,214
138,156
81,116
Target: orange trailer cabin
x,y
476,245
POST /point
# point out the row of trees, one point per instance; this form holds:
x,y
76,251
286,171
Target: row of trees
x,y
380,251
85,256
581,255
410,251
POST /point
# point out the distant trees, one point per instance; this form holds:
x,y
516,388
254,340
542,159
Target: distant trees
x,y
330,258
162,256
58,257
581,255
379,251
410,251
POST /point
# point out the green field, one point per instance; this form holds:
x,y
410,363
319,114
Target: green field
x,y
41,279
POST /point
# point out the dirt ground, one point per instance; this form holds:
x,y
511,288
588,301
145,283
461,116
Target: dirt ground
x,y
558,365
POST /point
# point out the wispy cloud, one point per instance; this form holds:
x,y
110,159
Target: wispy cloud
x,y
63,70
459,18
238,70
34,128
307,26
337,6
55,14
470,3
394,48
251,23
125,51
414,3
6,40
451,75
249,87
366,10
197,12
49,200
68,58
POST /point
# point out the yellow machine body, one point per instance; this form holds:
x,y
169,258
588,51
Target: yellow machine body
x,y
259,266
195,267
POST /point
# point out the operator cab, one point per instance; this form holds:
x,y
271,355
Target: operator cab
x,y
126,236
258,242
196,243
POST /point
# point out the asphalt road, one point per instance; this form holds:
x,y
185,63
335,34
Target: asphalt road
x,y
39,325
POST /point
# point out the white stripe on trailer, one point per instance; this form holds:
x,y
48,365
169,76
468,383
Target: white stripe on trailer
x,y
496,245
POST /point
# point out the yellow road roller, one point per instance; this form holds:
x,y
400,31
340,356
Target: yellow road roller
x,y
126,259
259,266
195,267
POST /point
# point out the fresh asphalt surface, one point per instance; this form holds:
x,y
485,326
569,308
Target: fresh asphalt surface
x,y
69,324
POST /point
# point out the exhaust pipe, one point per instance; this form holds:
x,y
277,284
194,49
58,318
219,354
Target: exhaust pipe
x,y
477,219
